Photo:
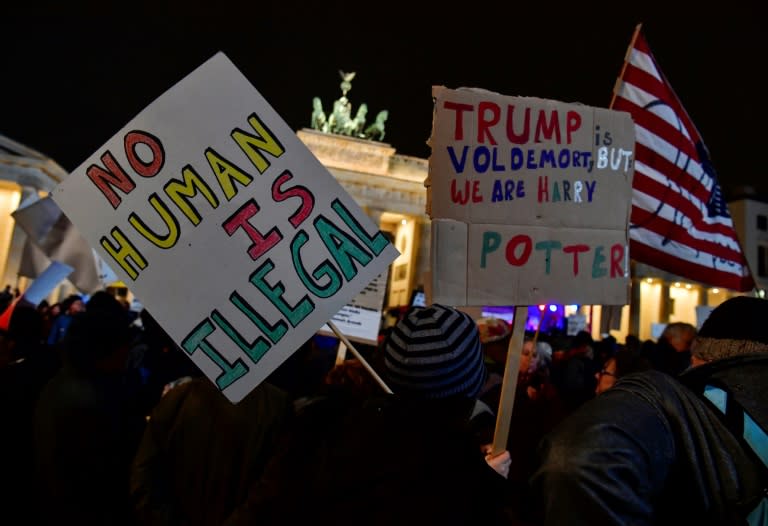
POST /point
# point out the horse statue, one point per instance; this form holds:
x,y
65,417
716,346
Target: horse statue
x,y
319,121
354,127
375,132
342,114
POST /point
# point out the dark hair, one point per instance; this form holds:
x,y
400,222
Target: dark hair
x,y
582,338
103,300
68,301
96,334
630,361
26,324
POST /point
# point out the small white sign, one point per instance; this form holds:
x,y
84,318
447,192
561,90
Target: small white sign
x,y
47,281
576,323
361,319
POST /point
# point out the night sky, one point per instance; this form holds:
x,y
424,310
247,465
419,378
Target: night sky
x,y
73,74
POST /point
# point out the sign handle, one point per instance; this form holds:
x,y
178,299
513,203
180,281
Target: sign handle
x,y
346,342
341,353
509,382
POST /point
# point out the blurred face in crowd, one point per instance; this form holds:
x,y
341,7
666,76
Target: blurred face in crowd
x,y
606,377
526,356
77,306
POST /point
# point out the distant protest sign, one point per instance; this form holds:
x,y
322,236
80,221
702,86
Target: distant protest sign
x,y
44,284
360,320
232,234
576,323
529,200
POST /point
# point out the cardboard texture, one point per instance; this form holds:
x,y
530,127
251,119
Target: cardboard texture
x,y
449,270
541,186
224,225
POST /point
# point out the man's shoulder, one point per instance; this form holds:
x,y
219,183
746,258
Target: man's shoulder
x,y
741,377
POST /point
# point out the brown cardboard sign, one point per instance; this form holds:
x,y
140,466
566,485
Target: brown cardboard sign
x,y
533,196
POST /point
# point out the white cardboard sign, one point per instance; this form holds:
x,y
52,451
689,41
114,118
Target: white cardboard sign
x,y
529,200
576,323
47,281
235,237
360,320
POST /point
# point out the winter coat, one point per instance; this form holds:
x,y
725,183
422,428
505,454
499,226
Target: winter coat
x,y
649,451
84,442
382,461
200,453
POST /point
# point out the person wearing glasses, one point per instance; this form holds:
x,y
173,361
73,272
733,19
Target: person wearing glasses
x,y
622,363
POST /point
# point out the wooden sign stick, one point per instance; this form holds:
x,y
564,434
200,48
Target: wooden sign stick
x,y
345,341
509,382
341,353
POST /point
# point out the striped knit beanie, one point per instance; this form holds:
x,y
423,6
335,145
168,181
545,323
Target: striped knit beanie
x,y
434,352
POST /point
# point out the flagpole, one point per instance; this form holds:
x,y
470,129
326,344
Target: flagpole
x,y
626,62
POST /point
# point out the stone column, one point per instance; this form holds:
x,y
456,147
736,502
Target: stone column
x,y
375,214
634,307
16,246
666,303
423,230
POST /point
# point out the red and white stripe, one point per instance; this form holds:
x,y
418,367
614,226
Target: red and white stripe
x,y
670,227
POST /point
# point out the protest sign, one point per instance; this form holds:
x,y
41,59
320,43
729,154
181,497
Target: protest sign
x,y
52,237
235,237
55,273
530,200
576,323
360,319
47,281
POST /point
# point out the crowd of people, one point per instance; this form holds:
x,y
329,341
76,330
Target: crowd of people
x,y
109,423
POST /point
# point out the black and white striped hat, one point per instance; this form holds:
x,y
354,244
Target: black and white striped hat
x,y
434,352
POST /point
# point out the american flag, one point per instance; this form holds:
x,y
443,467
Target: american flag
x,y
679,221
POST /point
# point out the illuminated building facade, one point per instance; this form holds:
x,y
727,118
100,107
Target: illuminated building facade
x,y
390,188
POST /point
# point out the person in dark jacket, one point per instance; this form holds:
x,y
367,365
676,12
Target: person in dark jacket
x,y
654,447
200,453
411,458
30,365
623,362
84,436
72,305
